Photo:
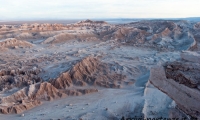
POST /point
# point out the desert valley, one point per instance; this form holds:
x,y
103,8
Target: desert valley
x,y
96,70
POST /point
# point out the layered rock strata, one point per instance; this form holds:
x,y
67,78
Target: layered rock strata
x,y
180,80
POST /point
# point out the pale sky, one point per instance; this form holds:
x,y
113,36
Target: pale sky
x,y
83,9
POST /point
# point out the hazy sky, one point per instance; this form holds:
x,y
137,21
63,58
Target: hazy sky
x,y
69,9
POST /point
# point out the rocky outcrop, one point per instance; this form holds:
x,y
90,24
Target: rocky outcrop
x,y
30,31
29,97
180,80
88,71
19,108
32,96
14,43
12,77
191,56
183,73
90,23
197,25
41,27
158,34
44,91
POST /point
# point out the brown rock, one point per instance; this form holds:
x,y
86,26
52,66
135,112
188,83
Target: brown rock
x,y
184,94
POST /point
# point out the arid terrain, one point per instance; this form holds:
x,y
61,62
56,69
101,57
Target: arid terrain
x,y
94,70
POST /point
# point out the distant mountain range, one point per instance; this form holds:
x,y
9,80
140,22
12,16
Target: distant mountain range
x,y
137,19
193,18
109,20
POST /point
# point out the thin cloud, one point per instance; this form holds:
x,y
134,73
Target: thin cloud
x,y
29,9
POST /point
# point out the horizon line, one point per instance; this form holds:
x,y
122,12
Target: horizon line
x,y
62,19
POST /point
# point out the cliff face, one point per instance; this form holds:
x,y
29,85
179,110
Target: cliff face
x,y
180,81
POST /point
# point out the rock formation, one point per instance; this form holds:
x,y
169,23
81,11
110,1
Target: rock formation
x,y
91,23
10,78
180,80
45,62
14,43
165,35
89,71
